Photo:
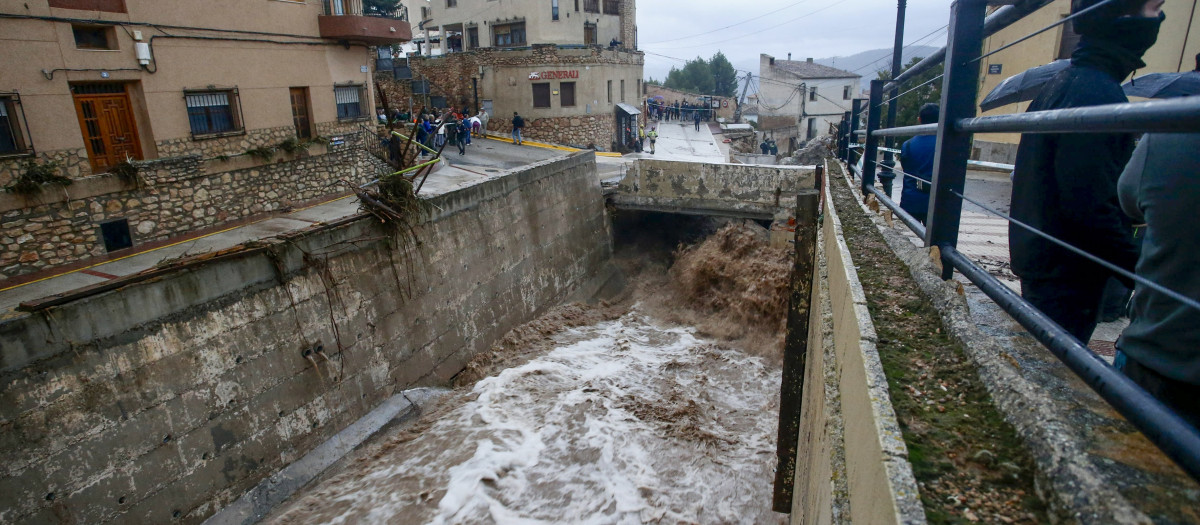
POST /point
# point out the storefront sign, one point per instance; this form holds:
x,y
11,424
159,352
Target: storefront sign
x,y
995,69
551,75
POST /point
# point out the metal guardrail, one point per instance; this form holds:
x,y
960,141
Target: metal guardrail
x,y
957,123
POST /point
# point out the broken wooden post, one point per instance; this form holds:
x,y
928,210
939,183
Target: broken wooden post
x,y
795,350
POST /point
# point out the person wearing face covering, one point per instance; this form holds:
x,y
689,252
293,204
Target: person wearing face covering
x,y
1066,184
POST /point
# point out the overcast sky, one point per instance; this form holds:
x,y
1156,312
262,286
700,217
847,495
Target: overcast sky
x,y
808,28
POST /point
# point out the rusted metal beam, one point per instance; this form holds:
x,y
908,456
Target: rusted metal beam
x,y
795,350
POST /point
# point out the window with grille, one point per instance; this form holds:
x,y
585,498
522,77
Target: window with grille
x,y
568,94
94,37
622,90
812,94
554,9
541,95
451,3
473,37
591,6
846,93
12,141
612,7
213,112
349,101
610,92
508,35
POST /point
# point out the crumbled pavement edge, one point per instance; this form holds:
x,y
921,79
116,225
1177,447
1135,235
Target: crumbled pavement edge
x,y
1066,480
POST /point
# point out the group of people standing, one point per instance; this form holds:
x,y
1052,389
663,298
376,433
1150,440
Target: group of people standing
x,y
454,126
684,111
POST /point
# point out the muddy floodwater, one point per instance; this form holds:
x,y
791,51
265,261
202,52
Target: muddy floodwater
x,y
623,421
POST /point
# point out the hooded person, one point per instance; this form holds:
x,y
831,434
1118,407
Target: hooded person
x,y
1066,184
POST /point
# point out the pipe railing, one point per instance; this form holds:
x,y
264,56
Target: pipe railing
x,y
967,29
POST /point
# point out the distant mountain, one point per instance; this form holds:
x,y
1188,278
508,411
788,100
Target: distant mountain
x,y
867,63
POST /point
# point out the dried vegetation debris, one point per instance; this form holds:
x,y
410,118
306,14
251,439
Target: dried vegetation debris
x,y
969,463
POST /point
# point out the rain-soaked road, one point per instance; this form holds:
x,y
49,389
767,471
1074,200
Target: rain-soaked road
x,y
625,421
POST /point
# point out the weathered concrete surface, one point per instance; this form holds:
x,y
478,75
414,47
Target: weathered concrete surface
x,y
727,190
167,399
880,487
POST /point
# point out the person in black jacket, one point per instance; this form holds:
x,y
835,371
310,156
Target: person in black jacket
x,y
1066,184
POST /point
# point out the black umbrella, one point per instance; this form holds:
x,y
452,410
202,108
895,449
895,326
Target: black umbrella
x,y
1022,86
1164,85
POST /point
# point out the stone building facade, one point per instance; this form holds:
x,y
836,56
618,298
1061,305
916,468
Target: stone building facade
x,y
506,80
465,25
224,104
798,100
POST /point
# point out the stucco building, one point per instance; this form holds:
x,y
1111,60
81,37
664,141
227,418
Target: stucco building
x,y
1175,51
798,100
174,116
549,60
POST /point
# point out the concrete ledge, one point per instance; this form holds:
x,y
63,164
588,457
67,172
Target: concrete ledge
x,y
881,485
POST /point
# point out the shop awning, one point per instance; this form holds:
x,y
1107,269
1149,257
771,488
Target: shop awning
x,y
627,109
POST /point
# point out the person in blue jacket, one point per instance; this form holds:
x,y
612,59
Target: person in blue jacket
x,y
916,157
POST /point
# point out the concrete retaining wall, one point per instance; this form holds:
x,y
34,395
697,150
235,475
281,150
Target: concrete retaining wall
x,y
735,190
164,400
880,487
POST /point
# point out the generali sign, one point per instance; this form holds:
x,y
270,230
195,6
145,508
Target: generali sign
x,y
551,75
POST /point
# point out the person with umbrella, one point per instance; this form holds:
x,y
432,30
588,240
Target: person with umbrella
x,y
1065,184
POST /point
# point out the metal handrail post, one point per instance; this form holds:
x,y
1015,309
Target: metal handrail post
x,y
959,89
871,143
889,160
855,118
844,137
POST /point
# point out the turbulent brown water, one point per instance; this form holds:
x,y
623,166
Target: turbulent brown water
x,y
597,415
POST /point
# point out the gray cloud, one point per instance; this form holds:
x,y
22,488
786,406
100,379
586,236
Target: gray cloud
x,y
809,28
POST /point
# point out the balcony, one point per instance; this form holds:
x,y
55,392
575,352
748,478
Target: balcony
x,y
345,20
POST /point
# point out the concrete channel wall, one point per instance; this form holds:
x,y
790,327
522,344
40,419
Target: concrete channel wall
x,y
168,398
861,428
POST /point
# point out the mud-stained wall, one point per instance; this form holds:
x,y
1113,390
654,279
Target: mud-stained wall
x,y
736,190
879,483
166,399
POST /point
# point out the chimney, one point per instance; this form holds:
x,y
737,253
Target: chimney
x,y
810,60
789,56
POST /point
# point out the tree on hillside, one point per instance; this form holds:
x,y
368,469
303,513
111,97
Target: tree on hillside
x,y
706,77
908,105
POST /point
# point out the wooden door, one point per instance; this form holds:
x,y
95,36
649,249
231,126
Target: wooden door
x,y
108,127
300,114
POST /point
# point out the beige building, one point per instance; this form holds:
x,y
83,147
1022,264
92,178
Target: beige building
x,y
91,84
1175,51
549,60
472,24
797,100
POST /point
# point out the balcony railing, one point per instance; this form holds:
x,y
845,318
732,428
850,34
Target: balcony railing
x,y
347,8
345,20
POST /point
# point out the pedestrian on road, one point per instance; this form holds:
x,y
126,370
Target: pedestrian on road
x,y
916,156
653,136
518,124
764,147
773,147
696,119
423,136
641,143
463,138
1160,350
1065,184
476,127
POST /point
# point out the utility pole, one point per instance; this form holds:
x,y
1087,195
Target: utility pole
x,y
886,176
737,114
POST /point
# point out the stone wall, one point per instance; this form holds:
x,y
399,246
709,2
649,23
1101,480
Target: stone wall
x,y
451,76
74,163
168,398
734,190
176,195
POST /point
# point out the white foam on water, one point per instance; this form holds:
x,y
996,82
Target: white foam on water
x,y
629,423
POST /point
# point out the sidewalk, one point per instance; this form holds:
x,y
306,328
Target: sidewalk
x,y
484,159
